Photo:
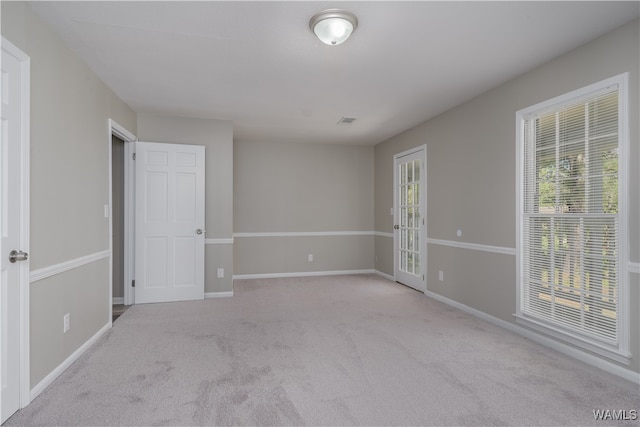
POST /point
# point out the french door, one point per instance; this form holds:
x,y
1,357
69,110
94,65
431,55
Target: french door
x,y
169,225
410,205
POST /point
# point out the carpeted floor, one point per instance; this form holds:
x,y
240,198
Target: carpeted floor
x,y
342,350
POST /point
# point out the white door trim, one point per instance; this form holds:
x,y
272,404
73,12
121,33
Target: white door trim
x,y
423,195
25,82
129,212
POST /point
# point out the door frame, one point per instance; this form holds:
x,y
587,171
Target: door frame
x,y
423,196
25,146
129,138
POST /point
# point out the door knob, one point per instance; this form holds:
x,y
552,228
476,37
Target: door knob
x,y
396,227
18,256
199,231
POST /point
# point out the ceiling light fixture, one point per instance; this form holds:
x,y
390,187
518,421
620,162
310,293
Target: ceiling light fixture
x,y
333,26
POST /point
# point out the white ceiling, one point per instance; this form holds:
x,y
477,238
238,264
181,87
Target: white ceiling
x,y
259,65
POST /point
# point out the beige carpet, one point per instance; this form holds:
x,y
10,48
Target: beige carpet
x,y
343,350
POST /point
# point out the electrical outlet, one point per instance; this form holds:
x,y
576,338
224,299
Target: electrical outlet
x,y
220,273
310,257
441,275
67,323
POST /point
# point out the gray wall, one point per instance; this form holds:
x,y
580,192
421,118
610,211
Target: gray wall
x,y
300,188
217,138
471,177
70,144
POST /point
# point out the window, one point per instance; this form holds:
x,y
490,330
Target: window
x,y
572,218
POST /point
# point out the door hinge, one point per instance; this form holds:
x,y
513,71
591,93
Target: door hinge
x,y
133,283
134,156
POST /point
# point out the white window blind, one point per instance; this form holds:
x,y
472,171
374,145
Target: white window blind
x,y
569,239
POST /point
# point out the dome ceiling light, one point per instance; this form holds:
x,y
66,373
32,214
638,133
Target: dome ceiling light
x,y
333,26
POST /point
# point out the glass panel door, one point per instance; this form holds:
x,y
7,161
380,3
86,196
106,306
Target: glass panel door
x,y
410,221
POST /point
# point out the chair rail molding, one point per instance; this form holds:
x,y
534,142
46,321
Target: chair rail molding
x,y
303,233
52,270
473,246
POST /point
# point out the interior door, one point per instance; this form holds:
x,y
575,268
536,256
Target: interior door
x,y
14,267
410,218
169,225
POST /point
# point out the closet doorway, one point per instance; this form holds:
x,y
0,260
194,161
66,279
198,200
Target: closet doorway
x,y
120,218
117,229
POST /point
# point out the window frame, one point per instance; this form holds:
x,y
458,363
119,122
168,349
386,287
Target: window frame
x,y
620,350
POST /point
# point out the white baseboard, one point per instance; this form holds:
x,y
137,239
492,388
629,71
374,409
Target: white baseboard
x,y
301,274
580,355
42,385
117,300
218,294
385,275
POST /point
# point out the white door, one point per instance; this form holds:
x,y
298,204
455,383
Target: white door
x,y
410,218
14,265
169,229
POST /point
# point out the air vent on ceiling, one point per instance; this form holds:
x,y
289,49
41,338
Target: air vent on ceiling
x,y
346,120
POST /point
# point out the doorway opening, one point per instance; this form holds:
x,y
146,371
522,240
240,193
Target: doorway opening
x,y
117,218
121,218
117,229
